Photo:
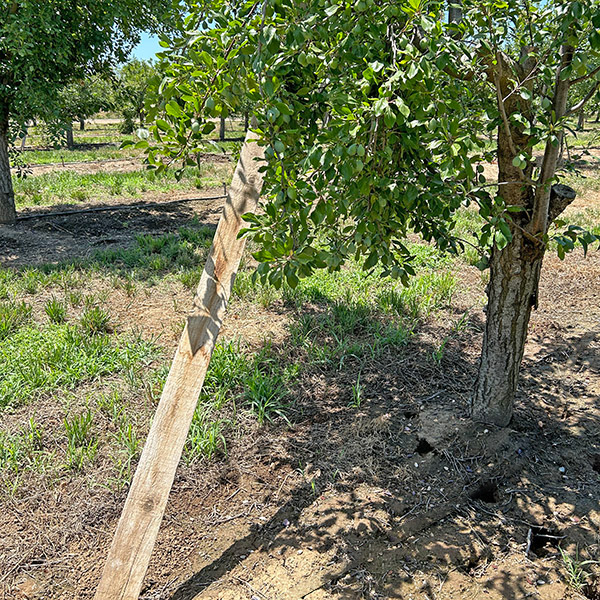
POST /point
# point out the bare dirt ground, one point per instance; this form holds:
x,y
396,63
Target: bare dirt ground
x,y
54,239
401,498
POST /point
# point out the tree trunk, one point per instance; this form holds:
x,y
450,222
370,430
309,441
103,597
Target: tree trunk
x,y
581,121
8,213
512,291
598,116
247,121
69,133
514,271
222,130
81,124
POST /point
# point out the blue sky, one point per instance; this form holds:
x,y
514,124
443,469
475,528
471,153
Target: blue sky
x,y
147,47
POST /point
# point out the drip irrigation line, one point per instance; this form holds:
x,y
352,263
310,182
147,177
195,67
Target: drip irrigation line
x,y
79,162
135,206
112,160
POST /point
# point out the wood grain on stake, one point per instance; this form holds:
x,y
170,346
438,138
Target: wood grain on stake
x,y
138,526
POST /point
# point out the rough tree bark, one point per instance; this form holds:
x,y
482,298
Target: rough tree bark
x,y
512,292
70,140
81,124
581,121
222,129
515,269
8,213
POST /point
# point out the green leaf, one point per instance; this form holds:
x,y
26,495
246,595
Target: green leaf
x,y
174,109
505,229
371,261
525,94
163,125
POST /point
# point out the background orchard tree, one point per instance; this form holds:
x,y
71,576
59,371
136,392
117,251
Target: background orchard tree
x,y
373,116
79,101
591,104
45,44
133,84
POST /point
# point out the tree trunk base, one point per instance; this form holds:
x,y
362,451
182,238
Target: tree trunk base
x,y
512,292
8,213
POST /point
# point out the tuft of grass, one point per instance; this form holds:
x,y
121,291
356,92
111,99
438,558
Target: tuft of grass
x,y
75,298
437,354
265,394
111,404
95,320
23,450
228,370
81,444
13,315
577,574
128,439
56,310
357,393
205,438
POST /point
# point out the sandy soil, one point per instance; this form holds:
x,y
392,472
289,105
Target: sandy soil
x,y
401,498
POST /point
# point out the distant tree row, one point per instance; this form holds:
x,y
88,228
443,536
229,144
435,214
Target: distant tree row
x,y
123,91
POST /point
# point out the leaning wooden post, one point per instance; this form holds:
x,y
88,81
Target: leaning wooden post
x,y
138,526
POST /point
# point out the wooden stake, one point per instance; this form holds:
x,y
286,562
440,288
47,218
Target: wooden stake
x,y
138,526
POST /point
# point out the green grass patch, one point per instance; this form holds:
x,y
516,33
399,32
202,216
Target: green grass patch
x,y
42,157
36,360
69,187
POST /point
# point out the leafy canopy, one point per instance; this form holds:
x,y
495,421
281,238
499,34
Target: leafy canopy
x,y
45,44
133,84
373,115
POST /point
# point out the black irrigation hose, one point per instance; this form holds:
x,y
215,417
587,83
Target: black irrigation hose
x,y
79,162
137,205
110,160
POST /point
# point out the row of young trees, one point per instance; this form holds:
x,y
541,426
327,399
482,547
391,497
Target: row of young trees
x,y
47,45
124,91
374,115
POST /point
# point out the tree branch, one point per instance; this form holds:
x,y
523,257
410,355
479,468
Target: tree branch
x,y
560,197
584,77
583,102
539,220
503,114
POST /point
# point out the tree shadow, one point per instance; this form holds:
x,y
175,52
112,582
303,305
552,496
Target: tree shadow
x,y
59,242
405,491
400,489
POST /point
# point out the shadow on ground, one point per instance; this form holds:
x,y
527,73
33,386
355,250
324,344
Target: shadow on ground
x,y
403,496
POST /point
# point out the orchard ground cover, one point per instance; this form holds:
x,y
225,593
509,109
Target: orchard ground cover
x,y
331,455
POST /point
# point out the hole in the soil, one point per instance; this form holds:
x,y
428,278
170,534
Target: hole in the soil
x,y
591,590
424,447
595,462
410,414
487,492
542,540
